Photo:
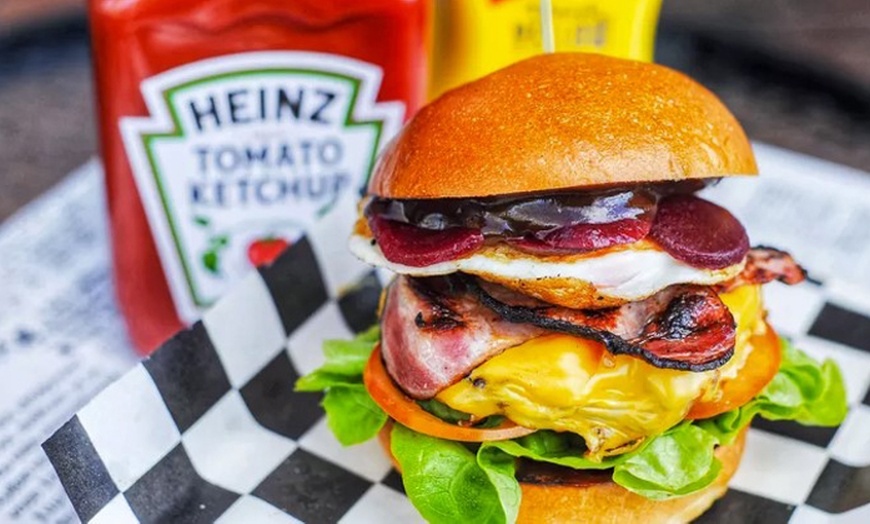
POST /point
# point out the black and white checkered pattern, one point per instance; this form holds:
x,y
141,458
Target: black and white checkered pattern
x,y
210,429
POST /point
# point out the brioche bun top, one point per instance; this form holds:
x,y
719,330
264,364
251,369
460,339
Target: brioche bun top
x,y
561,121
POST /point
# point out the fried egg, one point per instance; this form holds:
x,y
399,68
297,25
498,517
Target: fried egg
x,y
589,280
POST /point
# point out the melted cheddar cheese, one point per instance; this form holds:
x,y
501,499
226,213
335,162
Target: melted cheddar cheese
x,y
566,383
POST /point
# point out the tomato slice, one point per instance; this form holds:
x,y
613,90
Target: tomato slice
x,y
760,367
405,411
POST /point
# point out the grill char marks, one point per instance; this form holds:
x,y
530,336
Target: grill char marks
x,y
435,313
682,327
432,334
695,329
766,264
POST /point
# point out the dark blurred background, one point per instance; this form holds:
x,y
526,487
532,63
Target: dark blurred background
x,y
795,72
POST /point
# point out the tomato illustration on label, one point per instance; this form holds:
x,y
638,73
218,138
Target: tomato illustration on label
x,y
265,250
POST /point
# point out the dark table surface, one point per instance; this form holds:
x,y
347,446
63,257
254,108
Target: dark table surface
x,y
795,72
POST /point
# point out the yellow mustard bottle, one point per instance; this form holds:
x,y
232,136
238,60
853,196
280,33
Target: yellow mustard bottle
x,y
476,37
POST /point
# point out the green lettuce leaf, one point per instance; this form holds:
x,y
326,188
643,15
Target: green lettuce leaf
x,y
802,390
345,362
563,449
351,413
453,416
681,460
443,411
501,470
448,483
678,462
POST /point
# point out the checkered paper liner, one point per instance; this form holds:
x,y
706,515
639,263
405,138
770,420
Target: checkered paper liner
x,y
209,428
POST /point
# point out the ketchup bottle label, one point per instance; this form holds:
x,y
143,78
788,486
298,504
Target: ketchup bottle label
x,y
240,154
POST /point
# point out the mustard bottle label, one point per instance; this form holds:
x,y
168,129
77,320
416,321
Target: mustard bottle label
x,y
476,37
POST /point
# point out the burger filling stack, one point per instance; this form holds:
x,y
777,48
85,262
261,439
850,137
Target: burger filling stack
x,y
572,334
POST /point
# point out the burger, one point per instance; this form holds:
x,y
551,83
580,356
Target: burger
x,y
572,334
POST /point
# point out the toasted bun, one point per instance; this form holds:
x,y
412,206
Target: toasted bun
x,y
561,121
605,502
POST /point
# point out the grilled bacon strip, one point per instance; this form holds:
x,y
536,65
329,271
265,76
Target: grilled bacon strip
x,y
436,330
432,335
683,327
765,264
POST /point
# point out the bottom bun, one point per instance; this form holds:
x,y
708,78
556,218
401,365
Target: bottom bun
x,y
598,500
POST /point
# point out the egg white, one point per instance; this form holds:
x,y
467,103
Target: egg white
x,y
629,274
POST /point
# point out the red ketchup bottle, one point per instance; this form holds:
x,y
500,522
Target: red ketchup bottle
x,y
228,126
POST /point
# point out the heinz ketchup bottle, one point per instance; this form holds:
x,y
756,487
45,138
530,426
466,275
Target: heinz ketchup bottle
x,y
227,126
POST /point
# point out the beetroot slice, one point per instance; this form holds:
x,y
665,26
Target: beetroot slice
x,y
417,247
699,232
579,238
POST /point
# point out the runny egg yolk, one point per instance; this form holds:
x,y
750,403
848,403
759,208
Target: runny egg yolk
x,y
566,383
